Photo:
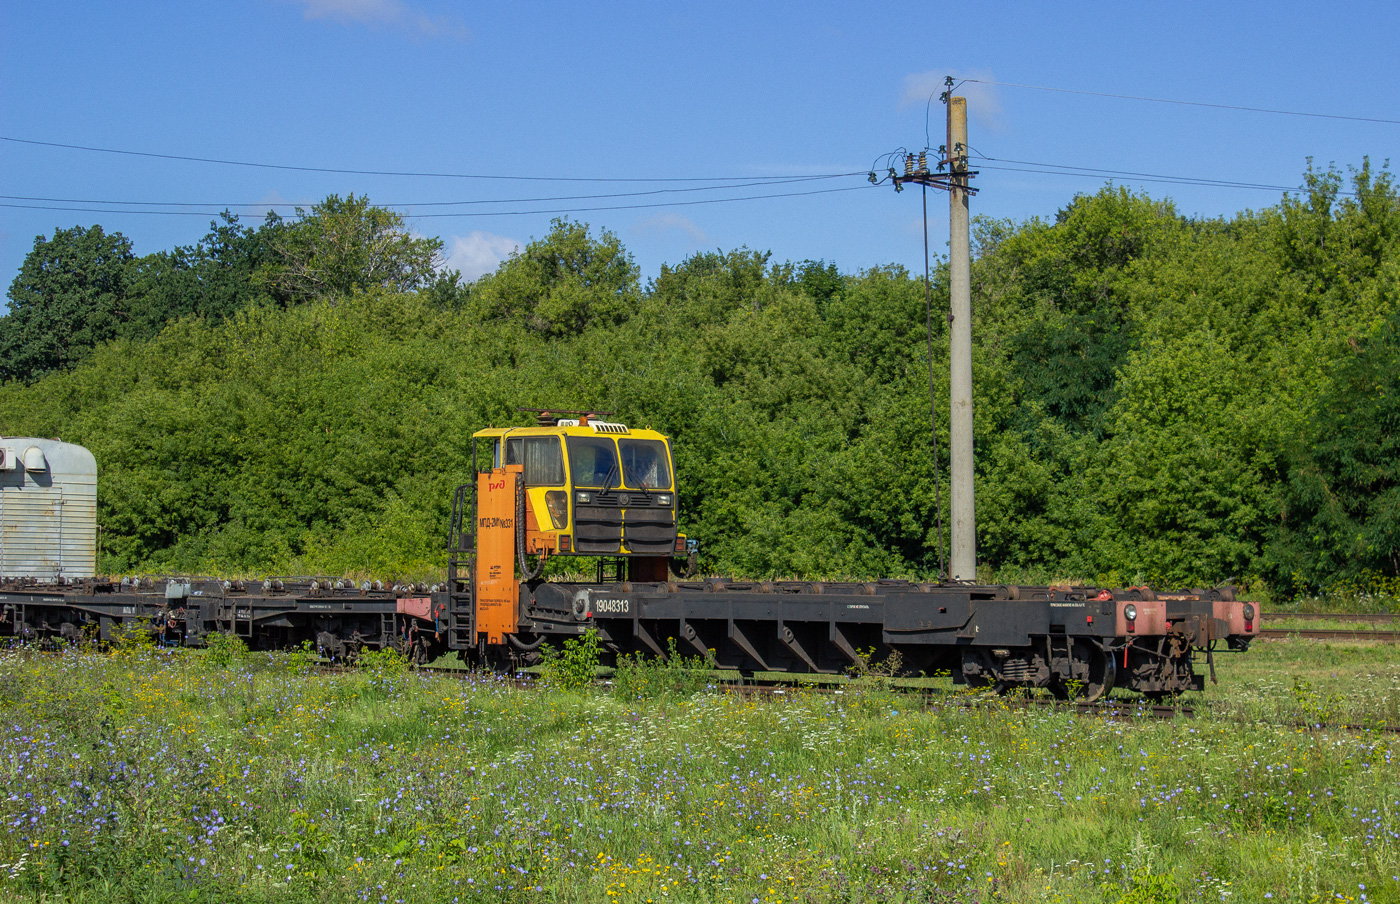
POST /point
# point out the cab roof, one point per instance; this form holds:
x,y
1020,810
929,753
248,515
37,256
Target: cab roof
x,y
593,428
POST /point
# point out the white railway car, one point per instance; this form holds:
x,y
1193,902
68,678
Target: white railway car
x,y
48,509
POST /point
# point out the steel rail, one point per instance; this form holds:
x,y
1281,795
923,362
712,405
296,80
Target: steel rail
x,y
1331,634
1370,618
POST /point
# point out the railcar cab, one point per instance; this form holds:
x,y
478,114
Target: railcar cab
x,y
583,486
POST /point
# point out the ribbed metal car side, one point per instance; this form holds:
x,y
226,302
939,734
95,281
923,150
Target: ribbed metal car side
x,y
48,509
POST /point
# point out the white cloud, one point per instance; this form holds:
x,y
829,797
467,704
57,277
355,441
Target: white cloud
x,y
391,13
271,200
274,197
983,101
666,220
479,253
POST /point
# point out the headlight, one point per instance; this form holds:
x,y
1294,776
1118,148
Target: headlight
x,y
1130,612
663,498
557,501
1249,612
584,498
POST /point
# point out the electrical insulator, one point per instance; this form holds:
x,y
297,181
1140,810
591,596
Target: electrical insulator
x,y
923,161
909,165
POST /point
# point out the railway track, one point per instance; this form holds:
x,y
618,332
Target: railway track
x,y
1372,618
1372,626
933,700
1333,634
928,700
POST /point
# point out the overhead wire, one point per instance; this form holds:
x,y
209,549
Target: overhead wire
x,y
1187,103
361,172
1057,169
792,194
490,213
722,182
478,201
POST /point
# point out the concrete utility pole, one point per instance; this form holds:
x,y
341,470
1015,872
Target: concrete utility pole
x,y
964,528
955,182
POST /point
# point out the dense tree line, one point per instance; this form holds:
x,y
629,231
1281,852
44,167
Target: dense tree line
x,y
1159,398
83,287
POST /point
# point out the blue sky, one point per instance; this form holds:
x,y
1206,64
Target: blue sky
x,y
663,91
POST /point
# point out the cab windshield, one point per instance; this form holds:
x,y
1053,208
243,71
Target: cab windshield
x,y
644,465
592,461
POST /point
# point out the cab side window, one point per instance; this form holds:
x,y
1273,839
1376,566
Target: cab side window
x,y
542,457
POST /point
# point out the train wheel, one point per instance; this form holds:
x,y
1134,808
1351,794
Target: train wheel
x,y
1102,673
982,682
1094,672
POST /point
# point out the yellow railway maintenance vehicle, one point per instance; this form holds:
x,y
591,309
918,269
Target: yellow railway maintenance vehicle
x,y
568,486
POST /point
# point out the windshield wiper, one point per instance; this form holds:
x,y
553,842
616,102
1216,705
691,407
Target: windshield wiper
x,y
607,481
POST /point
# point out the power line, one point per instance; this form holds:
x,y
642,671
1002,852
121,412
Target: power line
x,y
488,213
479,201
360,172
1070,169
166,213
520,213
1187,103
1057,169
1168,180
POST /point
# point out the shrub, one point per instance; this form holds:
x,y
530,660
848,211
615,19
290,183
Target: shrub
x,y
575,666
131,639
384,663
301,660
639,677
223,651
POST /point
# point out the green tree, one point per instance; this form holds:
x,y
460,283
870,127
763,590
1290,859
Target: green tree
x,y
1061,295
562,284
70,295
1182,484
1340,520
213,278
1156,396
345,245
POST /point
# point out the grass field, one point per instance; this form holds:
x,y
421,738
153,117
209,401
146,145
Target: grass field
x,y
146,776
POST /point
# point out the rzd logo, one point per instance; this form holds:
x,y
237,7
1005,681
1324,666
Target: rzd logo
x,y
495,486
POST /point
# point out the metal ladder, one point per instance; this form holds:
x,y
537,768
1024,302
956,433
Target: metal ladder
x,y
461,571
